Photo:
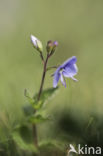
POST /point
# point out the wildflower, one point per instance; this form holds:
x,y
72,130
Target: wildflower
x,y
36,43
67,69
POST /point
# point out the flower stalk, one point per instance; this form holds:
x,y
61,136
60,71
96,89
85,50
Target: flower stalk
x,y
43,76
51,46
38,98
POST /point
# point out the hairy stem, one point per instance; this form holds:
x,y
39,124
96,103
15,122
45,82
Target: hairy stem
x,y
34,129
38,98
42,58
43,77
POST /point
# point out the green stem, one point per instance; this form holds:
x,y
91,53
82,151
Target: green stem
x,y
42,58
49,68
38,98
34,128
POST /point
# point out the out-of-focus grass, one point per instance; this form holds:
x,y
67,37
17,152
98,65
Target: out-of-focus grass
x,y
77,25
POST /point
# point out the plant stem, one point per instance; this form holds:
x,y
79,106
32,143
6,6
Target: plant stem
x,y
43,77
35,135
38,98
42,58
49,68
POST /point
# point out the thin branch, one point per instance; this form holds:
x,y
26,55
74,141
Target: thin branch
x,y
49,68
42,58
43,77
39,94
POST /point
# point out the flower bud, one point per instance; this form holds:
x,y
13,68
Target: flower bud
x,y
51,46
55,44
37,43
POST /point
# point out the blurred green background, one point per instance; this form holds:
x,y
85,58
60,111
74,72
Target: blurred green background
x,y
78,27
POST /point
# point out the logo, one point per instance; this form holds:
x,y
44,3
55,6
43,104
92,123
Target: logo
x,y
83,150
72,149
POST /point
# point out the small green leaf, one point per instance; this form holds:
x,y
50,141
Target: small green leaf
x,y
45,96
28,110
23,145
23,138
37,119
30,100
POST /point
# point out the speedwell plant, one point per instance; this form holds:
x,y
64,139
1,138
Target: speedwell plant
x,y
33,111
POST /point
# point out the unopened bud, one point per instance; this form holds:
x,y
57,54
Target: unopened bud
x,y
37,43
51,46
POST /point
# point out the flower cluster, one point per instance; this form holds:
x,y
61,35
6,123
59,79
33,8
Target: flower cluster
x,y
67,69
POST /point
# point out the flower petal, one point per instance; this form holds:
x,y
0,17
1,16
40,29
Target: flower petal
x,y
56,78
62,80
69,62
70,71
67,69
74,79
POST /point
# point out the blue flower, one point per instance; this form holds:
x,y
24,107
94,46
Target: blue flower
x,y
67,69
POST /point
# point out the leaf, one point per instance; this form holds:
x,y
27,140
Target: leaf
x,y
23,139
37,119
45,96
23,145
28,110
30,100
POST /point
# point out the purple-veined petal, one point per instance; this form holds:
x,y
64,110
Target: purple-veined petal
x,y
62,80
56,77
67,69
69,62
70,71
